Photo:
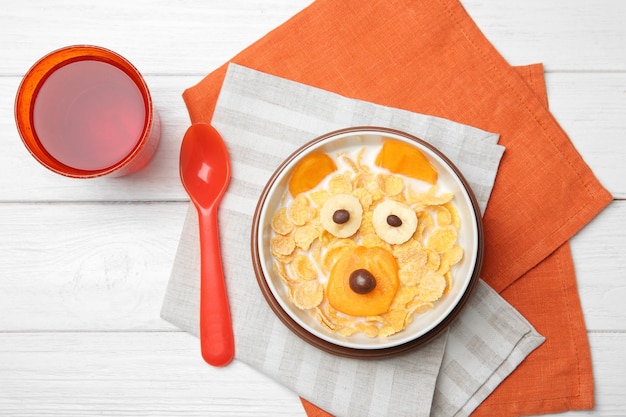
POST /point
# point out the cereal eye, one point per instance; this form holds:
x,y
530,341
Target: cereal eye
x,y
341,215
394,222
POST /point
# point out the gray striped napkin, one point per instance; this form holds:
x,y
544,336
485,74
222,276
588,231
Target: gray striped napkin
x,y
263,119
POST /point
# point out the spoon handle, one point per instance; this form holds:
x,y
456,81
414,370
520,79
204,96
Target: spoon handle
x,y
216,331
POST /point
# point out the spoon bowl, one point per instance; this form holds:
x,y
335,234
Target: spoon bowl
x,y
205,174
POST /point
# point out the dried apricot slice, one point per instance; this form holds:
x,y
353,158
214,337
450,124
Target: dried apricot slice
x,y
310,171
402,158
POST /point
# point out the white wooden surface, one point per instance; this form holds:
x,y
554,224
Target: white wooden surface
x,y
84,264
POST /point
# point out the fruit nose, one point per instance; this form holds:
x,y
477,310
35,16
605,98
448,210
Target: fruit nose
x,y
373,270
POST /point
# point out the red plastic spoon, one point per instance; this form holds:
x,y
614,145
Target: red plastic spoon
x,y
205,174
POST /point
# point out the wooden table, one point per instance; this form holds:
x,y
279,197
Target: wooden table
x,y
84,264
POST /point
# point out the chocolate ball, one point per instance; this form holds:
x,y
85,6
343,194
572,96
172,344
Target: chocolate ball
x,y
362,281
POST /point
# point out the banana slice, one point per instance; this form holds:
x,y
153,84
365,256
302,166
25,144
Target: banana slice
x,y
341,215
394,222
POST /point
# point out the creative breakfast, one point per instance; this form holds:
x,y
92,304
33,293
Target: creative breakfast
x,y
365,239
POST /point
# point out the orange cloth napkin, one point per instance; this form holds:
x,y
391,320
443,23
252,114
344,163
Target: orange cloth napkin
x,y
511,396
564,329
428,56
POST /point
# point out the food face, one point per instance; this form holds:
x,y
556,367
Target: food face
x,y
366,240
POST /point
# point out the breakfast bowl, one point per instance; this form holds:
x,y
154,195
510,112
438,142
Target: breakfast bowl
x,y
367,242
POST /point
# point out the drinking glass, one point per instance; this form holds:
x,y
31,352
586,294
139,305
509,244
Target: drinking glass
x,y
84,111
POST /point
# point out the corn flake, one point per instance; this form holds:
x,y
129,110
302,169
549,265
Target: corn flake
x,y
404,295
420,230
347,331
340,184
442,239
431,287
280,222
354,165
308,294
434,260
325,320
444,218
318,197
425,218
397,319
410,273
419,306
448,277
300,211
282,245
410,251
279,267
304,236
334,252
453,255
303,268
365,198
370,330
454,215
372,186
450,258
429,198
393,185
372,240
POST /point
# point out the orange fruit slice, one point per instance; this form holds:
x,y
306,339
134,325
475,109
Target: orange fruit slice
x,y
310,171
402,158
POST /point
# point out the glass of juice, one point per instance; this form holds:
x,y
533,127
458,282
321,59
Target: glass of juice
x,y
84,111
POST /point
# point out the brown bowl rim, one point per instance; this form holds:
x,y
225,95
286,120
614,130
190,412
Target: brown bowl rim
x,y
343,350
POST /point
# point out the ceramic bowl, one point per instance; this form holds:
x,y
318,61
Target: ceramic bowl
x,y
425,325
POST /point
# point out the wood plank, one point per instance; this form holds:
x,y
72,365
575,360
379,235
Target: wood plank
x,y
608,354
92,266
86,266
199,37
590,107
129,374
567,35
598,253
157,36
161,374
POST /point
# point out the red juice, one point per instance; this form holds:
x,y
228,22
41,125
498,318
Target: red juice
x,y
89,115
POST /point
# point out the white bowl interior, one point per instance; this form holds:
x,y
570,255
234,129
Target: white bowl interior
x,y
462,272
